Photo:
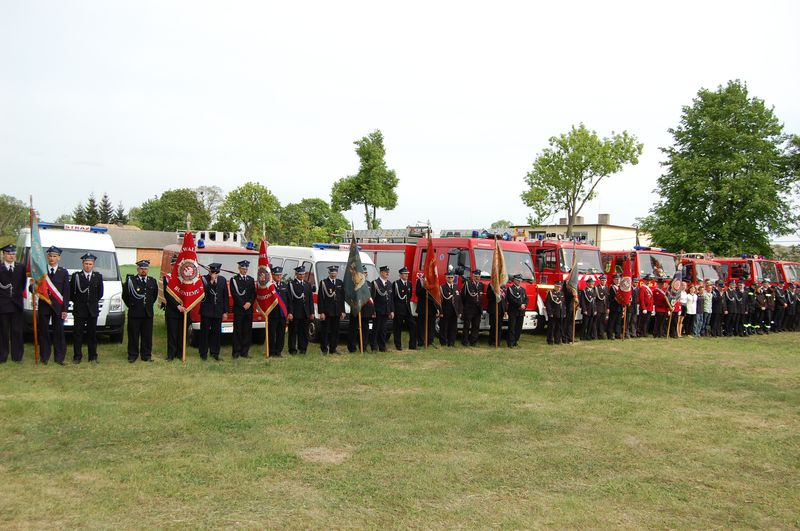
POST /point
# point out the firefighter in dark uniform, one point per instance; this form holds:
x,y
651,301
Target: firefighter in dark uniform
x,y
86,292
451,310
243,292
517,300
731,308
213,310
769,294
13,282
615,305
497,312
569,309
363,320
601,307
742,307
301,311
587,297
401,295
173,318
471,311
632,312
383,299
556,314
717,308
791,309
277,320
780,307
330,305
140,293
426,314
52,316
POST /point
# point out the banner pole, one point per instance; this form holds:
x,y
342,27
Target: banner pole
x,y
360,336
669,321
266,336
497,324
425,324
624,321
35,327
183,356
574,317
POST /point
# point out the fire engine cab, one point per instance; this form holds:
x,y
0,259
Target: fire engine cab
x,y
646,261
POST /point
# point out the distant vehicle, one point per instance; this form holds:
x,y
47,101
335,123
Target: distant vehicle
x,y
646,261
227,254
75,241
316,260
750,268
699,268
552,259
790,271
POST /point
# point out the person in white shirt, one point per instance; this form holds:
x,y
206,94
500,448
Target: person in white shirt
x,y
691,310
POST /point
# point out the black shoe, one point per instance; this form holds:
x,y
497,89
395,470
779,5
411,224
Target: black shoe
x,y
245,355
170,359
302,352
335,352
44,362
411,348
149,360
204,358
292,352
94,361
60,362
381,350
216,358
76,361
399,348
131,360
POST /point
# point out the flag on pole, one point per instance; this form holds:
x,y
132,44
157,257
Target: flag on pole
x,y
499,274
185,284
356,289
626,285
266,294
430,275
572,280
44,287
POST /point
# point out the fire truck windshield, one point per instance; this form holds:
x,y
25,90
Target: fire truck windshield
x,y
517,263
656,264
588,260
707,272
792,272
766,270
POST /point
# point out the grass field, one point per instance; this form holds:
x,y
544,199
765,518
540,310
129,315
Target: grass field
x,y
645,433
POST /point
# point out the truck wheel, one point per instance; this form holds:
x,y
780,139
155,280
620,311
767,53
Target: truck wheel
x,y
313,331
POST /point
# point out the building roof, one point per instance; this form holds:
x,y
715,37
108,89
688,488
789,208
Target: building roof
x,y
142,239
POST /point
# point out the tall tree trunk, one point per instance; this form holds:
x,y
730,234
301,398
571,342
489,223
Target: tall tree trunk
x,y
366,215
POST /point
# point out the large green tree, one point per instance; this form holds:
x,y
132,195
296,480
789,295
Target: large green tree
x,y
91,212
105,210
374,185
309,221
14,214
168,212
729,178
251,208
566,174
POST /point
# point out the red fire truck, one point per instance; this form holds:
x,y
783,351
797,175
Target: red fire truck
x,y
461,255
698,268
227,254
646,261
750,268
790,271
553,261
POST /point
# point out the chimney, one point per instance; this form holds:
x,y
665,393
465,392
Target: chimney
x,y
562,221
604,219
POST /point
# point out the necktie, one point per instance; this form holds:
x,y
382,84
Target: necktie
x,y
52,271
88,277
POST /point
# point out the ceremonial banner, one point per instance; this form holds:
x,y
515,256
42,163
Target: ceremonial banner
x,y
626,286
430,277
44,287
572,280
185,284
266,294
356,289
499,274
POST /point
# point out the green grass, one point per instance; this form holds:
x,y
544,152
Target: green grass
x,y
645,433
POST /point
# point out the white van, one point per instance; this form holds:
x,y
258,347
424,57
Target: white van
x,y
75,241
316,260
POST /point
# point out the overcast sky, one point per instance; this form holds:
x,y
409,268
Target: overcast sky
x,y
134,98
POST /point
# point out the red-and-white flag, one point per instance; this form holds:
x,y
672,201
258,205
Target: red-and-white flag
x,y
266,294
185,284
430,278
626,285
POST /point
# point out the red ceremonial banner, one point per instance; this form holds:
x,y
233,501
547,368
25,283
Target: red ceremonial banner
x,y
185,284
626,285
266,295
430,279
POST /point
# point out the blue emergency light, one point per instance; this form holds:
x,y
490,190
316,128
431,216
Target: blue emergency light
x,y
201,243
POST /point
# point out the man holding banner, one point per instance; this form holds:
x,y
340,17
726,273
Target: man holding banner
x,y
356,289
184,284
271,299
52,314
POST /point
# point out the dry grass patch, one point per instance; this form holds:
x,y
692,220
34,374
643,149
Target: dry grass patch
x,y
326,456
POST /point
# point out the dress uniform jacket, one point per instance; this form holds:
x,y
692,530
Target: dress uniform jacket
x,y
50,322
139,294
383,306
214,306
243,290
277,321
85,295
451,309
12,286
330,302
471,311
401,302
301,307
517,300
556,313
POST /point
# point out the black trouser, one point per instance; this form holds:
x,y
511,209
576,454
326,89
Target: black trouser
x,y
716,324
424,320
495,321
767,320
11,324
632,318
329,334
673,324
755,321
614,324
660,326
554,330
730,324
600,322
210,336
140,338
242,333
410,323
448,326
354,340
472,326
174,337
566,327
51,335
378,333
515,320
643,324
777,321
587,327
788,321
298,335
84,326
276,333
688,323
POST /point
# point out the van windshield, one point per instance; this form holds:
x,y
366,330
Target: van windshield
x,y
106,263
229,261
